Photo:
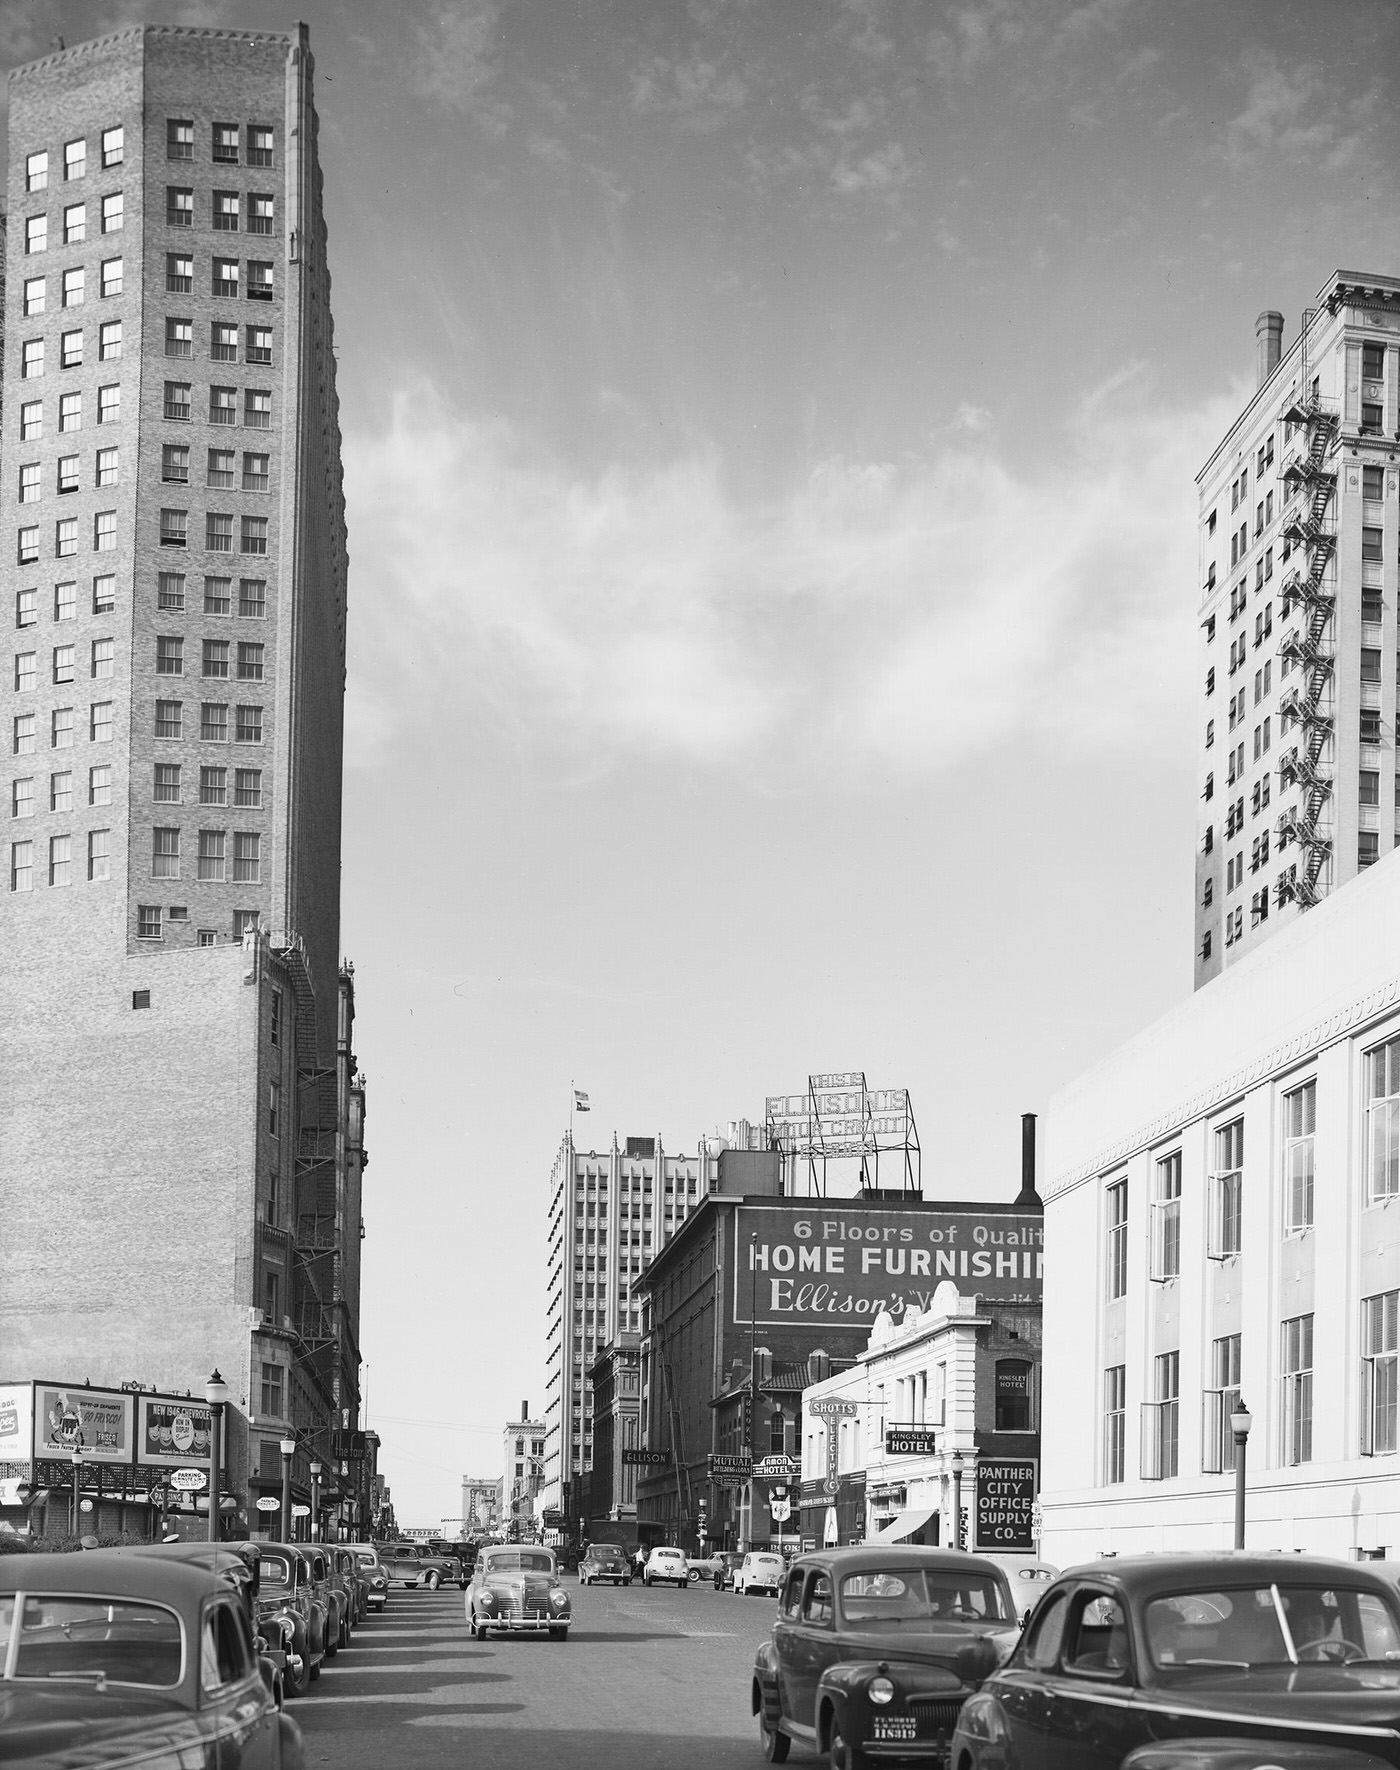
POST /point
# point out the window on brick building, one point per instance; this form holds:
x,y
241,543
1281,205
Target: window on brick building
x,y
60,860
217,595
179,138
179,273
179,205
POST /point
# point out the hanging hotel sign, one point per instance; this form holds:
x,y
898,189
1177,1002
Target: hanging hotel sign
x,y
98,1422
777,1468
911,1441
840,1263
1006,1503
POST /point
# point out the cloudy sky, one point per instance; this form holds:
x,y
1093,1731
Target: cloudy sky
x,y
770,434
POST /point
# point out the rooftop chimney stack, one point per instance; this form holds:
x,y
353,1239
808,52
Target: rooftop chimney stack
x,y
1268,343
1028,1194
524,1410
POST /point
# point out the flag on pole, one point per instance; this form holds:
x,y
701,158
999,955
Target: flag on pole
x,y
581,1101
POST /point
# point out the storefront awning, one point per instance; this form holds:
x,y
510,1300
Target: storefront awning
x,y
904,1524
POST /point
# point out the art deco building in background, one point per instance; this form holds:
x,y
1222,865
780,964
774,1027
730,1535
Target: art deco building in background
x,y
180,1108
1298,623
609,1214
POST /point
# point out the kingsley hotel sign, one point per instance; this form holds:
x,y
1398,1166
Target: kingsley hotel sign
x,y
839,1263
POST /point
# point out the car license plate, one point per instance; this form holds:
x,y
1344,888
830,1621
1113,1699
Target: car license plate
x,y
894,1727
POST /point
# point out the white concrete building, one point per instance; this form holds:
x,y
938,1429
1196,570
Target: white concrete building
x,y
1296,620
1222,1217
948,1373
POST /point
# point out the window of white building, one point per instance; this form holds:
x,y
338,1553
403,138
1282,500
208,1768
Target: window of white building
x,y
1166,1217
1226,1182
1380,1343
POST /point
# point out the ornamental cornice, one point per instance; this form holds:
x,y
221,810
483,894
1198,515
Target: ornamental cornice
x,y
1318,1037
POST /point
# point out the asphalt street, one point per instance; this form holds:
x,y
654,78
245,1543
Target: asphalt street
x,y
648,1678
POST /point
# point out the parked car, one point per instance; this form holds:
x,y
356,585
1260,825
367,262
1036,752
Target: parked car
x,y
237,1564
136,1660
605,1561
727,1564
875,1650
1201,1660
515,1590
704,1567
327,1592
1028,1579
760,1571
347,1562
411,1564
288,1606
374,1574
665,1567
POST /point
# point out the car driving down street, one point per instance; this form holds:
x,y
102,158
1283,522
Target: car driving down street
x,y
874,1652
515,1590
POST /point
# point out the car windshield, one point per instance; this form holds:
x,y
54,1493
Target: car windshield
x,y
518,1561
898,1596
115,1640
367,1559
1248,1627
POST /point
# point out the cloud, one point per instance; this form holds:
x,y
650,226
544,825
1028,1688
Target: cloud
x,y
906,615
1295,113
453,63
694,88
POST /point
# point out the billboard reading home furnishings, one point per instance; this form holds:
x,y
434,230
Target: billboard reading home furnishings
x,y
841,1262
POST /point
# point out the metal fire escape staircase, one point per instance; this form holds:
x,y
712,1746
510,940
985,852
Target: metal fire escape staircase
x,y
1310,531
315,1241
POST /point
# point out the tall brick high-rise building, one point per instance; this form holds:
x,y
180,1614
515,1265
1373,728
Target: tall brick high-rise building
x,y
180,1109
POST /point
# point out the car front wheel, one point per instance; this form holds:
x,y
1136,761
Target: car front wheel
x,y
775,1745
433,1581
844,1756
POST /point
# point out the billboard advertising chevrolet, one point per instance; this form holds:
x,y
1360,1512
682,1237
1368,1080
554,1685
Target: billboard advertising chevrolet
x,y
839,1260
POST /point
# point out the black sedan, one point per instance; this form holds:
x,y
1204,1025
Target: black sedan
x,y
875,1650
1197,1662
132,1660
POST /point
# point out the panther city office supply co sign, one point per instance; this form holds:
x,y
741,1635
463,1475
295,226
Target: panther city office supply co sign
x,y
1006,1498
840,1263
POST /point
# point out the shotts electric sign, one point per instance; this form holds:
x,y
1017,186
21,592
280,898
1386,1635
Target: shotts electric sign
x,y
841,1265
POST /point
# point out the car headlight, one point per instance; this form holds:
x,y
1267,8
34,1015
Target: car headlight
x,y
486,1600
559,1598
880,1691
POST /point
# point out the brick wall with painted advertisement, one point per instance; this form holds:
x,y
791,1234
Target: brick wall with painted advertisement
x,y
837,1261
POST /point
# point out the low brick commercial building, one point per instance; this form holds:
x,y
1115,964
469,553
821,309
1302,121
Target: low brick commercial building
x,y
758,1295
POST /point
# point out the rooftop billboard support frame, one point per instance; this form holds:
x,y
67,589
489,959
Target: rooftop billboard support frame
x,y
841,1119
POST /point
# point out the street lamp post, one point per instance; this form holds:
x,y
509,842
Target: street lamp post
x,y
289,1450
1240,1422
957,1467
216,1394
315,1501
77,1478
